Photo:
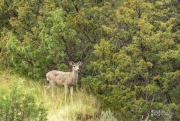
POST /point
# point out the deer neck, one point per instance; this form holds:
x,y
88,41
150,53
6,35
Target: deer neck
x,y
75,75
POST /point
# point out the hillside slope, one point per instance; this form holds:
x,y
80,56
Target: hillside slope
x,y
83,107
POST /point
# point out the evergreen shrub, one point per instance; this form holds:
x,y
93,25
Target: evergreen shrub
x,y
18,105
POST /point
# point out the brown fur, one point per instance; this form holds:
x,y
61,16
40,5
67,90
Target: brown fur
x,y
63,78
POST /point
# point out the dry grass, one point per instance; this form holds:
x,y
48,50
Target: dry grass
x,y
84,107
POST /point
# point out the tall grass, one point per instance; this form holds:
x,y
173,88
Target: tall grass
x,y
84,107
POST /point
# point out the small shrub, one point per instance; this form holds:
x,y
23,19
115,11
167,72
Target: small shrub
x,y
107,116
20,106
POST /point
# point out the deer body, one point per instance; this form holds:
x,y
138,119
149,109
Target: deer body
x,y
63,78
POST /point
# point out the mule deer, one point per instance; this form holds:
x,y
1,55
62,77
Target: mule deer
x,y
63,78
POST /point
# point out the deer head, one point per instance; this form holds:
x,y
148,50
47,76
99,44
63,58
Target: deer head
x,y
75,66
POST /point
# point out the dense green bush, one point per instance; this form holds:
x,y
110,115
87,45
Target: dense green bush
x,y
20,106
130,48
136,66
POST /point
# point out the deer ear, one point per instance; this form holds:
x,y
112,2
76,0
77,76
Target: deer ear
x,y
71,63
80,63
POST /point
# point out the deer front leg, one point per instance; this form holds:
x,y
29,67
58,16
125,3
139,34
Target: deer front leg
x,y
71,92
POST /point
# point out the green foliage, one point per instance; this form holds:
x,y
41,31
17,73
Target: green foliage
x,y
130,48
56,36
38,45
20,106
134,70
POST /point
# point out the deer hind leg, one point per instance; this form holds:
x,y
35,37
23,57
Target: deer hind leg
x,y
71,92
50,85
53,85
47,87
